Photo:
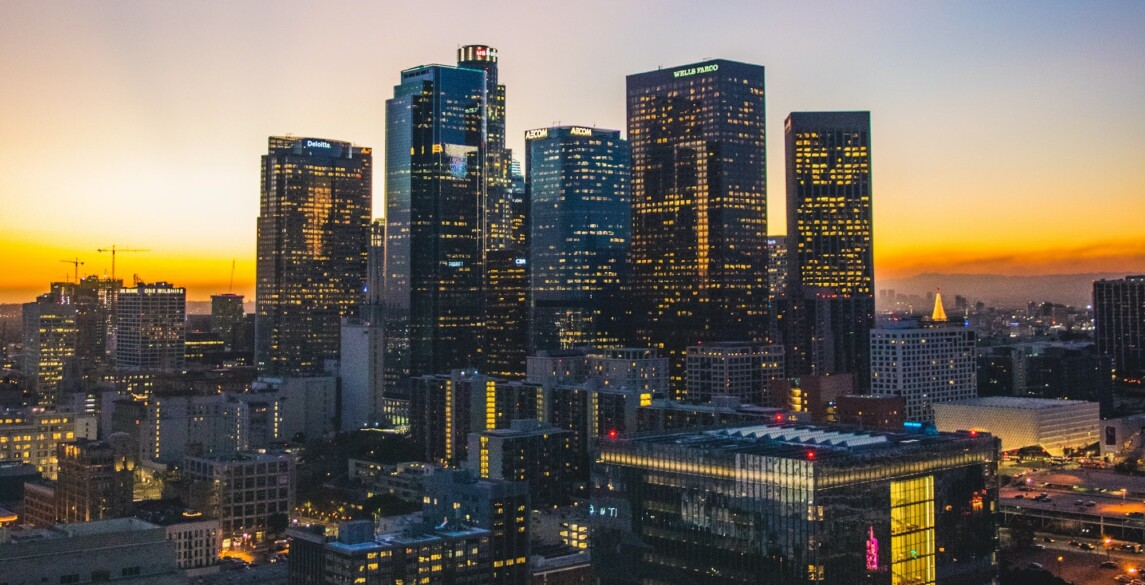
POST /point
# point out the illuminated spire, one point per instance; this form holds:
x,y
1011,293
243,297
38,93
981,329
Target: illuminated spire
x,y
939,313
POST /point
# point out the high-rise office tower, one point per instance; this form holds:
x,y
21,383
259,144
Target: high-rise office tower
x,y
699,206
152,327
506,322
94,299
830,267
361,362
1119,325
227,318
313,231
501,229
49,344
580,226
435,187
505,317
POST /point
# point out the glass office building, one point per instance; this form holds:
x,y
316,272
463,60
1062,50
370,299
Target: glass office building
x,y
580,227
313,232
789,504
435,187
699,206
829,223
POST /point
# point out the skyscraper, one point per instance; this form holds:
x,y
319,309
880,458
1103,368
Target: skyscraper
x,y
435,189
227,318
49,344
502,227
1119,325
580,227
699,205
313,231
505,318
831,268
152,327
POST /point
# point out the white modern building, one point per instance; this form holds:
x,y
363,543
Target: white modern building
x,y
925,365
1054,425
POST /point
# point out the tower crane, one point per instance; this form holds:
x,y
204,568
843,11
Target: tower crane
x,y
76,262
115,250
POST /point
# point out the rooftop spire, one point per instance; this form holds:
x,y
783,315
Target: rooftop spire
x,y
939,313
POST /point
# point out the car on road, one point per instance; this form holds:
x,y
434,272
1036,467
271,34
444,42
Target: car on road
x,y
1108,565
1074,543
1123,578
1090,504
1035,566
1087,546
1040,546
1016,496
1047,539
1135,514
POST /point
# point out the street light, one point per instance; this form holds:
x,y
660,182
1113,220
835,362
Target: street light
x,y
1059,566
1108,541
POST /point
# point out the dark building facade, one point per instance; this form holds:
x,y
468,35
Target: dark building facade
x,y
313,231
790,504
445,408
425,555
580,225
830,303
528,451
1119,325
501,507
227,319
503,221
699,206
435,195
94,481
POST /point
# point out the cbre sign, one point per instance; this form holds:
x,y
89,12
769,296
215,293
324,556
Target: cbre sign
x,y
696,70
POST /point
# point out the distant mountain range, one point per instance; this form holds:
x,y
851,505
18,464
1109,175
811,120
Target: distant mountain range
x,y
1001,290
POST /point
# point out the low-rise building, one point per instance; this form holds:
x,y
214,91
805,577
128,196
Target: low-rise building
x,y
424,555
1054,425
196,537
31,435
242,492
125,550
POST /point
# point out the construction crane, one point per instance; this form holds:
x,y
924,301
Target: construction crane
x,y
115,250
77,264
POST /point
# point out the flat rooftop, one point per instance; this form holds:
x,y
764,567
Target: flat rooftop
x,y
1018,402
795,441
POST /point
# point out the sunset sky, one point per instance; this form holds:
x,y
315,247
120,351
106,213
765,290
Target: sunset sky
x,y
1007,137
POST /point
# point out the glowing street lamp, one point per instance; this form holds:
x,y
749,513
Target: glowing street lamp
x,y
1059,566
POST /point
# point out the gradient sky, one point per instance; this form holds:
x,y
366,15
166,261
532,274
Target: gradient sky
x,y
1007,137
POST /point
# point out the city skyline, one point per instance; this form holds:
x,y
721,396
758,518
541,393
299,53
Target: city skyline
x,y
158,112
